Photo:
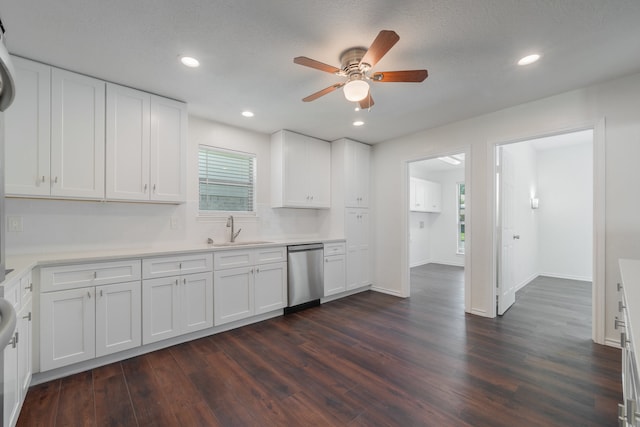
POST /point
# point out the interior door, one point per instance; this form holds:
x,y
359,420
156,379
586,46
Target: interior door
x,y
506,211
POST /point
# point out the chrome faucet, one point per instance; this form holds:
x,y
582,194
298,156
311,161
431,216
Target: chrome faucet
x,y
234,234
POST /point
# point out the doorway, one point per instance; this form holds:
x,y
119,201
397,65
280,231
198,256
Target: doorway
x,y
436,213
544,227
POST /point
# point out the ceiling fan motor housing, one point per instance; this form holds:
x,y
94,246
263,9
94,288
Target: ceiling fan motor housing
x,y
350,60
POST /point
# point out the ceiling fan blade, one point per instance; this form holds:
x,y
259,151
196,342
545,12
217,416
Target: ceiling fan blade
x,y
322,92
367,102
308,62
380,46
411,76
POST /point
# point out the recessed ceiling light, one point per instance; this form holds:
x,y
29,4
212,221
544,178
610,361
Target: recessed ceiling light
x,y
190,62
247,113
358,123
356,109
529,59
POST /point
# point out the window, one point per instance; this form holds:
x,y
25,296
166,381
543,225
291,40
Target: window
x,y
460,207
226,180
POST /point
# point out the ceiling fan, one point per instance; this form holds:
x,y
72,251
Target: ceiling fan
x,y
356,64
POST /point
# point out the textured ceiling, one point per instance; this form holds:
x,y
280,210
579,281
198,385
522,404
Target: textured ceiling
x,y
246,48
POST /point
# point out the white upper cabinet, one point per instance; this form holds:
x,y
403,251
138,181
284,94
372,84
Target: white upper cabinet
x,y
77,135
424,196
146,146
28,131
168,150
300,171
351,173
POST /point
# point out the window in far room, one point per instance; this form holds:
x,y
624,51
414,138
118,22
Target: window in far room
x,y
460,212
226,180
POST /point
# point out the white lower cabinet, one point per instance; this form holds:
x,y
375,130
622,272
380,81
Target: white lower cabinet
x,y
117,317
334,269
358,257
176,305
248,282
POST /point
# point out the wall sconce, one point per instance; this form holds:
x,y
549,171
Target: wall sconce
x,y
534,203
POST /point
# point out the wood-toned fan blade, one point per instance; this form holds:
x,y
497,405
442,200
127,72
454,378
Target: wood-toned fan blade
x,y
308,62
380,46
322,92
411,76
367,102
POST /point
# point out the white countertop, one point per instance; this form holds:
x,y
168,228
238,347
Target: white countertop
x,y
630,272
22,263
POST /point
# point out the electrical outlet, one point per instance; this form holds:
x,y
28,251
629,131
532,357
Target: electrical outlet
x,y
14,223
174,222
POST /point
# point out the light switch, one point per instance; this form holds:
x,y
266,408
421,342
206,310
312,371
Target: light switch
x,y
14,223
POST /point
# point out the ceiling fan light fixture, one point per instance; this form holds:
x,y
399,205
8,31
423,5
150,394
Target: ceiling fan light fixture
x,y
356,90
529,59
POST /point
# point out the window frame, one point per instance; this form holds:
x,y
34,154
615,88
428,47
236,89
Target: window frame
x,y
212,214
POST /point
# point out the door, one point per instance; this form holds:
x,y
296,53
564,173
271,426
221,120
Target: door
x,y
118,317
270,287
67,327
160,309
128,128
196,301
77,135
233,294
168,150
28,131
506,278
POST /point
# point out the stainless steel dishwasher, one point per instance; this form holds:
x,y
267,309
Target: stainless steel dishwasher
x,y
306,276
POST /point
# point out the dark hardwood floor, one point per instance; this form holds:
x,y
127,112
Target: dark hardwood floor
x,y
367,360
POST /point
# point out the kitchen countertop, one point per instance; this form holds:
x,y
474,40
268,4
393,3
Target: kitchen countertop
x,y
22,263
630,272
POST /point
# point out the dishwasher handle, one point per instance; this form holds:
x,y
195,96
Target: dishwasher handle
x,y
301,248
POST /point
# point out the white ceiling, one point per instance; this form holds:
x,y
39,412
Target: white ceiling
x,y
246,48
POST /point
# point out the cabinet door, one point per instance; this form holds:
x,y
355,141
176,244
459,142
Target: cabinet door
x,y
28,131
168,150
197,302
77,135
11,384
357,158
232,294
127,146
357,234
318,173
25,350
118,317
67,327
296,172
270,287
160,309
432,196
334,274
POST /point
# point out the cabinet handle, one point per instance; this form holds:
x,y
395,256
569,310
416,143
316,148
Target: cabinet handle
x,y
326,260
617,323
101,292
88,294
257,270
13,342
145,187
619,287
184,281
28,316
180,266
623,340
154,188
621,306
177,282
29,288
17,336
55,180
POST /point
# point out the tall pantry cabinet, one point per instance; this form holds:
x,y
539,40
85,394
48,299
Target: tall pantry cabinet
x,y
350,173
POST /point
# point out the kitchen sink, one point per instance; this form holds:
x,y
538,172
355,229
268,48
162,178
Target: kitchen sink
x,y
253,242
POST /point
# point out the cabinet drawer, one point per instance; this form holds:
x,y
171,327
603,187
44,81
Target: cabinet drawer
x,y
232,259
82,275
269,255
334,249
176,265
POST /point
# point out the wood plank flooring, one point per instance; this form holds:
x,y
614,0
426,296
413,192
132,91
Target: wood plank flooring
x,y
367,360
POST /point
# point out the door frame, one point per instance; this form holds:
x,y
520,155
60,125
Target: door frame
x,y
405,280
599,210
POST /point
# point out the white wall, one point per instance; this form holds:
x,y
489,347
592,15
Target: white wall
x,y
56,225
525,254
565,177
618,101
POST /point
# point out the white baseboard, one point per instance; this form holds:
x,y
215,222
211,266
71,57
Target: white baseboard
x,y
612,342
526,281
567,276
419,263
448,262
344,294
479,312
387,291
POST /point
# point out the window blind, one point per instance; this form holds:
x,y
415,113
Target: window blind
x,y
226,180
